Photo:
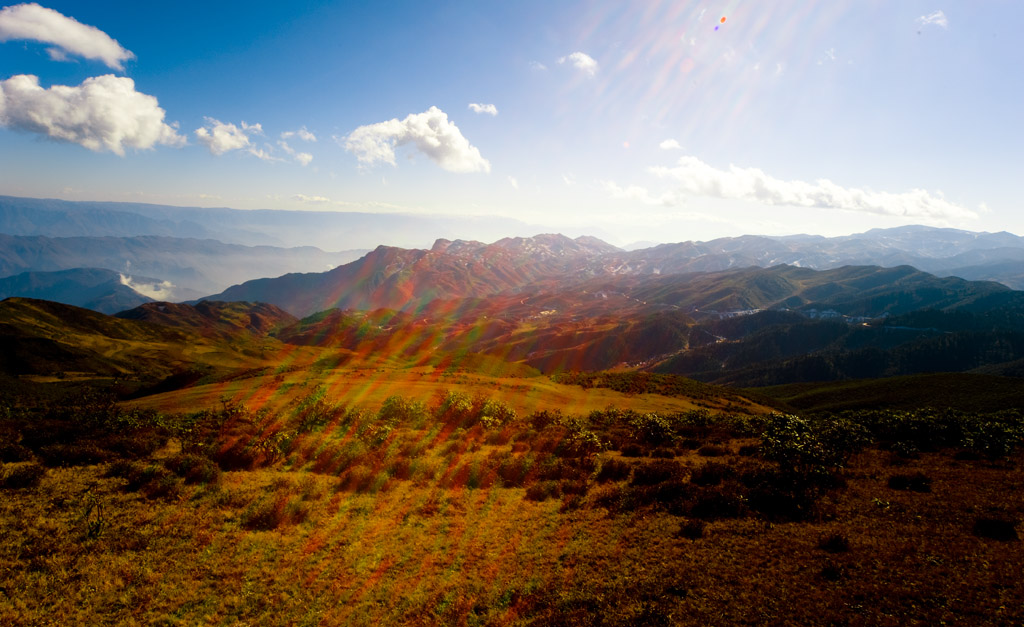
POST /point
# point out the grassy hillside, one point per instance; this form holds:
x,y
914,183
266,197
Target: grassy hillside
x,y
463,511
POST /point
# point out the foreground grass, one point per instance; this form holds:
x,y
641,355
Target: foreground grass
x,y
465,514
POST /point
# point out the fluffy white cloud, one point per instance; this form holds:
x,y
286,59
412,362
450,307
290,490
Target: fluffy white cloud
x,y
670,144
937,18
31,21
430,132
640,194
103,113
221,137
581,61
483,108
303,133
694,176
513,182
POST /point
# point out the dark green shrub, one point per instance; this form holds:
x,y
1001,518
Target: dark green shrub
x,y
24,475
996,528
632,450
711,473
80,454
692,529
651,429
194,468
613,470
270,513
712,450
834,543
723,501
543,490
657,472
917,482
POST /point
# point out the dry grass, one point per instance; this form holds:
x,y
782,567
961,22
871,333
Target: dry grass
x,y
434,523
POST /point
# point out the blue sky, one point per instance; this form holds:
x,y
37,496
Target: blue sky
x,y
628,120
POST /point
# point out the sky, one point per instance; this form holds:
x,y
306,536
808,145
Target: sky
x,y
653,121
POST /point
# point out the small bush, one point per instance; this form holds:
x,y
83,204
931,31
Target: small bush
x,y
1002,529
632,450
834,543
24,475
692,529
13,452
543,491
194,468
663,453
749,450
712,450
271,513
711,473
613,470
917,482
81,454
724,501
657,472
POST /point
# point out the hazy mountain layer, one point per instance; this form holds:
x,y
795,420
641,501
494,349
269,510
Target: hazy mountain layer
x,y
93,288
193,266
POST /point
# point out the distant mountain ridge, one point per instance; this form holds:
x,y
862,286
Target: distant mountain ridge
x,y
194,266
410,280
98,289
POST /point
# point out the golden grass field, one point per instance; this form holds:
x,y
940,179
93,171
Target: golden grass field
x,y
320,518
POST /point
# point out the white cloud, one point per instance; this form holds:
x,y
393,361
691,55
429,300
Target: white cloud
x,y
31,21
430,132
163,290
221,137
311,199
303,158
696,177
581,61
303,134
513,182
537,65
670,144
483,108
937,18
640,194
103,113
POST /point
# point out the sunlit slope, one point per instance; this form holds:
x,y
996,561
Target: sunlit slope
x,y
47,338
369,386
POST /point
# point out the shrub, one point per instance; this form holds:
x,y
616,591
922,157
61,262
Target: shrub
x,y
724,501
712,450
495,414
613,470
917,482
14,452
397,410
632,450
651,429
455,407
711,473
149,479
544,418
194,468
25,475
692,529
657,472
79,454
834,543
272,512
543,490
996,528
